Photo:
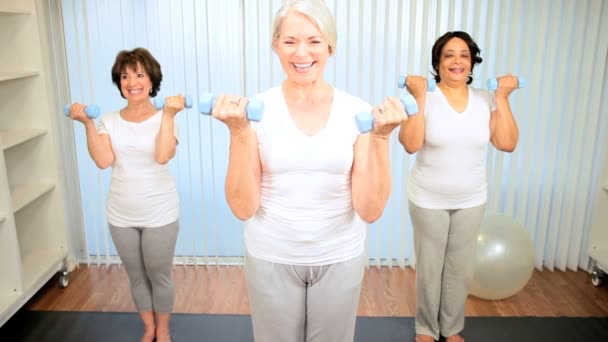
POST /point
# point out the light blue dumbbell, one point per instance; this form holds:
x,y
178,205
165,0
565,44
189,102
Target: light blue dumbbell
x,y
92,111
255,107
431,84
160,102
365,120
493,83
409,102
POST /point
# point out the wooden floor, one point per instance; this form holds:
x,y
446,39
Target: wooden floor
x,y
386,292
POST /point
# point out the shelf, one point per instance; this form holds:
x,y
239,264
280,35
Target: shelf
x,y
25,194
14,12
7,76
39,267
13,138
8,300
600,255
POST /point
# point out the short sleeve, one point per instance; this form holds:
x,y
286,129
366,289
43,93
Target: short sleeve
x,y
103,124
492,100
358,106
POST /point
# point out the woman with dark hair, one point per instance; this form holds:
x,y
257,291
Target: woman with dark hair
x,y
143,204
447,189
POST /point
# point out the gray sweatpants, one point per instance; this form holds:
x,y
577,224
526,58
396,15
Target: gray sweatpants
x,y
445,242
147,254
304,303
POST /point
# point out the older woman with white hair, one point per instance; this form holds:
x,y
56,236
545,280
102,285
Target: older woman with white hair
x,y
306,182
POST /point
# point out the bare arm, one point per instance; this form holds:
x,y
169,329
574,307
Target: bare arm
x,y
98,145
166,143
371,179
504,133
411,132
243,178
371,176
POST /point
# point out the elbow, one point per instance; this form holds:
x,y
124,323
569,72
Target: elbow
x,y
243,216
163,158
242,209
370,218
242,213
410,147
370,214
410,150
103,164
506,147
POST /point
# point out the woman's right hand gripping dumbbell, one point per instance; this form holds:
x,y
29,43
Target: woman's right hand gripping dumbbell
x,y
418,86
81,112
231,110
411,132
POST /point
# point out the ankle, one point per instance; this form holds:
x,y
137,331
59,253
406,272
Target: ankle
x,y
148,336
163,335
454,338
425,338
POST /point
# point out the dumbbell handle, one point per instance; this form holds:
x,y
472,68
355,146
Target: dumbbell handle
x,y
431,84
493,83
160,102
408,101
255,107
92,111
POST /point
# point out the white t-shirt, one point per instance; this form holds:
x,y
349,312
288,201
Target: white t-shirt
x,y
450,168
142,192
306,215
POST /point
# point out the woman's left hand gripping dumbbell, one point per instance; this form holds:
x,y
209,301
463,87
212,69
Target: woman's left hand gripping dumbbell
x,y
174,104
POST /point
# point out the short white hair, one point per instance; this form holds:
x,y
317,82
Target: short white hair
x,y
316,11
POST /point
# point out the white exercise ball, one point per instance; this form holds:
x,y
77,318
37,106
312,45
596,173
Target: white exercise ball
x,y
504,260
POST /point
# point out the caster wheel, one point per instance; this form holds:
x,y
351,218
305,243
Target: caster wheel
x,y
63,278
596,280
597,277
63,281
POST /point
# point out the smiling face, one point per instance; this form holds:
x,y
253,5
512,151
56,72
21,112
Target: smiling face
x,y
455,62
302,49
135,85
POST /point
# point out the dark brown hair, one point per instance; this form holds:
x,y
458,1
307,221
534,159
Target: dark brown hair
x,y
130,59
440,43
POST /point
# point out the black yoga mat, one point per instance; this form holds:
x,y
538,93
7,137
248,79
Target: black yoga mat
x,y
62,326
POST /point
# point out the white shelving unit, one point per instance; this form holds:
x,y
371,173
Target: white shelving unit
x,y
598,235
33,232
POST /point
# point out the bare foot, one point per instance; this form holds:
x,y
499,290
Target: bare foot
x,y
454,338
424,338
163,336
148,336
